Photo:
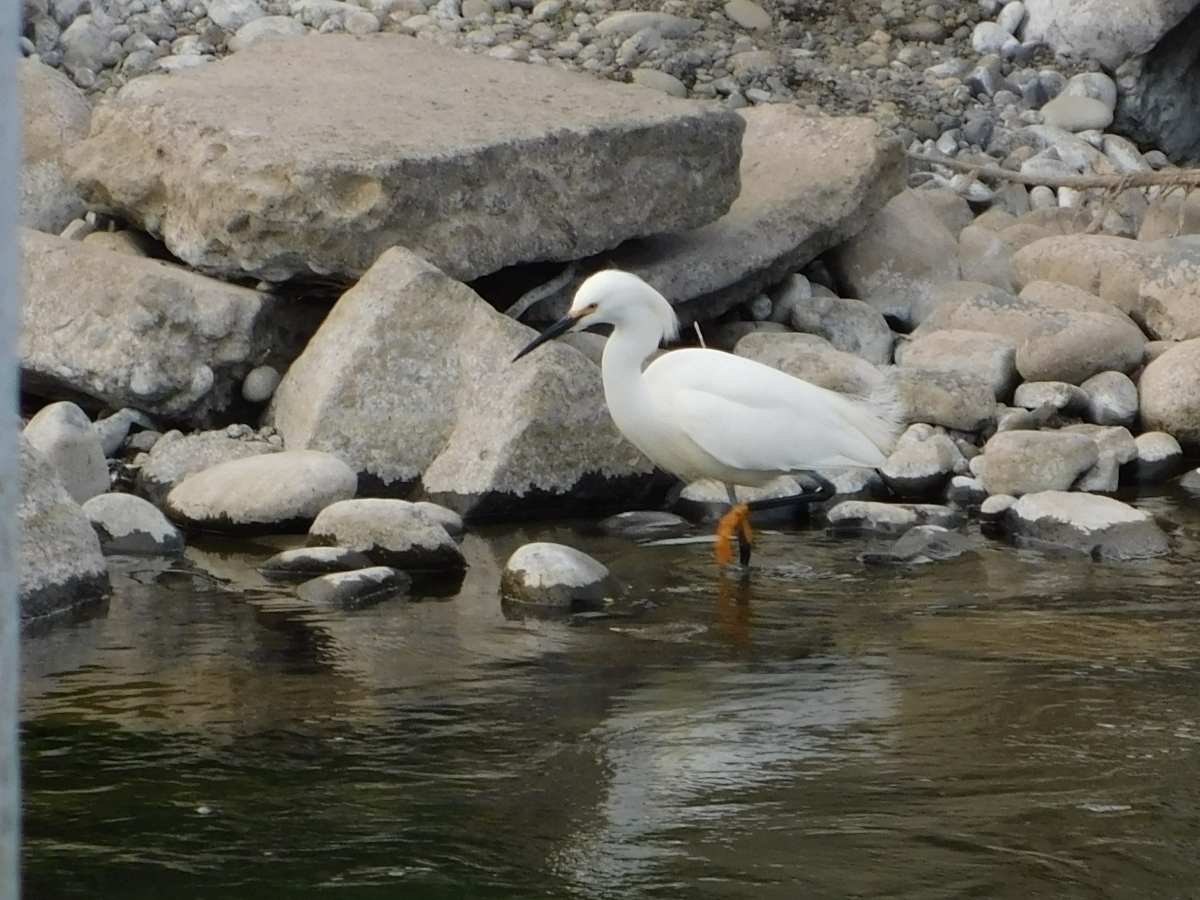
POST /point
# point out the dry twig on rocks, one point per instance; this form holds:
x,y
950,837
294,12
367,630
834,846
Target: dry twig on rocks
x,y
1172,178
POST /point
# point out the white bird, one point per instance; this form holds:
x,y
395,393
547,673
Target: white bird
x,y
700,413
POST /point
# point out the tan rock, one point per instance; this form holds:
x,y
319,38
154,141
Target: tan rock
x,y
54,115
1109,267
808,183
898,258
1173,213
1073,346
473,162
811,358
990,357
1169,296
1169,394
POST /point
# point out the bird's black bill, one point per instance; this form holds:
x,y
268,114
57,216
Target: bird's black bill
x,y
562,326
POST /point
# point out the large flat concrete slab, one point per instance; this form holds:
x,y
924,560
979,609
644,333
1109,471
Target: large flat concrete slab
x,y
315,154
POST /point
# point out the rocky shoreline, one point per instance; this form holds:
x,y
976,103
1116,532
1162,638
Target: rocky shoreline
x,y
1042,331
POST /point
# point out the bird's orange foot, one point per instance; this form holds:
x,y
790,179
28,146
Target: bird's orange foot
x,y
736,519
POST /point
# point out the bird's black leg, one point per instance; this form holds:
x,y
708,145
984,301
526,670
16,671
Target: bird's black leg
x,y
823,491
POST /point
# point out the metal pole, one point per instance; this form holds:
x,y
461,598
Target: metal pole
x,y
10,476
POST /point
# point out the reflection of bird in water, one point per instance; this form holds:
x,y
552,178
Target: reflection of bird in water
x,y
700,413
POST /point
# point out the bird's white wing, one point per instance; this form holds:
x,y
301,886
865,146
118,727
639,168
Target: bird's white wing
x,y
770,438
751,416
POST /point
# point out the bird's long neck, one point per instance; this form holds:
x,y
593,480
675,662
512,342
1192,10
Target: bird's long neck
x,y
627,350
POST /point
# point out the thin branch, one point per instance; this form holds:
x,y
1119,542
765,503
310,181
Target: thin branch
x,y
1173,178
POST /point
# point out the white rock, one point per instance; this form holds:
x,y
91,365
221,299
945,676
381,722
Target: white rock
x,y
989,37
233,14
1159,457
64,435
1042,197
1099,526
887,518
922,469
172,460
1076,113
265,27
357,589
1096,85
1011,16
130,525
389,532
308,562
1059,395
276,491
659,81
112,430
554,575
630,22
260,383
749,15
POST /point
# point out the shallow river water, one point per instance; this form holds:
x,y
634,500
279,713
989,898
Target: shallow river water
x,y
1009,724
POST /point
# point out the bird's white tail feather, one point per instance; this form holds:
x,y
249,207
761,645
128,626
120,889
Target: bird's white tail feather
x,y
880,414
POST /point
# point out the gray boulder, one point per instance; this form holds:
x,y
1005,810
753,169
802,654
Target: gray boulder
x,y
389,533
957,400
983,257
129,525
1057,395
1101,527
357,589
989,357
63,572
1026,462
808,183
63,434
272,493
850,325
551,575
1073,346
172,460
411,376
143,333
1169,297
1169,394
54,115
1112,399
237,178
897,259
811,358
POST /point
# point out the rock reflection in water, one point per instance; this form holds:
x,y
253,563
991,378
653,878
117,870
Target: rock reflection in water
x,y
691,749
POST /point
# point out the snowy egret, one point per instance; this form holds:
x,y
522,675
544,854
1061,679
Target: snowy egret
x,y
700,413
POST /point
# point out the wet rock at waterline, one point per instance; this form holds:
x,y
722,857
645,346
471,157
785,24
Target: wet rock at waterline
x,y
129,525
388,532
64,435
555,576
142,333
1159,457
54,114
641,525
308,562
355,590
807,183
63,571
1100,526
919,545
172,460
1026,462
412,376
920,469
862,516
277,492
251,183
